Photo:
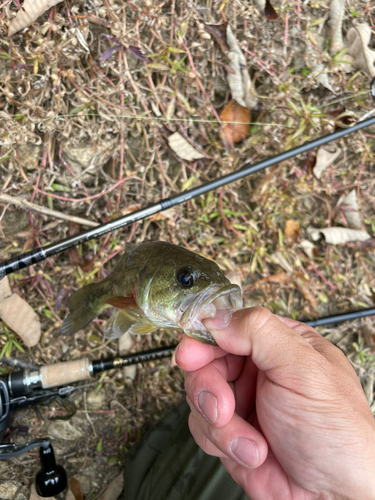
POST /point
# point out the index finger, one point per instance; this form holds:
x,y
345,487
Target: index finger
x,y
192,355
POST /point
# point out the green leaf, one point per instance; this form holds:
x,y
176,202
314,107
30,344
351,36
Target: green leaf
x,y
99,446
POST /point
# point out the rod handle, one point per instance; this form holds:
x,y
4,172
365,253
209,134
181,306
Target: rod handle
x,y
65,373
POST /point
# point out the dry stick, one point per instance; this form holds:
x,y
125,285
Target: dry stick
x,y
6,198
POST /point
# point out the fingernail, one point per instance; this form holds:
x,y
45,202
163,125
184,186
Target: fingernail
x,y
246,451
208,406
220,321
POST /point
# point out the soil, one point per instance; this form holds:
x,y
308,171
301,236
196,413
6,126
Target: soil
x,y
81,134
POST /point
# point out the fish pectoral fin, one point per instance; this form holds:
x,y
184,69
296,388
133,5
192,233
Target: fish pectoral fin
x,y
142,328
123,303
119,323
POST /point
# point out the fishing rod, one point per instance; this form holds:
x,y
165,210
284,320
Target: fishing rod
x,y
42,253
28,387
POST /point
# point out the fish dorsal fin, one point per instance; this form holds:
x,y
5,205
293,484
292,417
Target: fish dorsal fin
x,y
142,328
127,303
119,323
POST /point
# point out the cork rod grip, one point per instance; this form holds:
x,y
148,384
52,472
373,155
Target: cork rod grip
x,y
65,373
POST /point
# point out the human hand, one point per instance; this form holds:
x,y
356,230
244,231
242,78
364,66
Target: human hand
x,y
282,408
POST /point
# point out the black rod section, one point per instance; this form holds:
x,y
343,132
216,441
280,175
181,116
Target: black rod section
x,y
165,352
131,359
339,318
39,254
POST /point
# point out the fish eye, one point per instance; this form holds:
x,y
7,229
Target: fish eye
x,y
185,277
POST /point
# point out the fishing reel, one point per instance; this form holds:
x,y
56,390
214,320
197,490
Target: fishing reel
x,y
51,479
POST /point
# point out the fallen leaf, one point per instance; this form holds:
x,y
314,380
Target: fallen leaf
x,y
261,5
18,315
136,52
183,148
322,78
29,12
270,12
309,248
326,155
239,82
109,52
292,230
304,286
75,488
336,20
363,57
298,278
236,119
339,235
351,210
114,489
281,278
219,32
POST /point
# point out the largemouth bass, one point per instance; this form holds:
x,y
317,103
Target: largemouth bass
x,y
156,285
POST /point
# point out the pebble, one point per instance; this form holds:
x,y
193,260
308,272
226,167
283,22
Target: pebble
x,y
63,429
7,490
95,401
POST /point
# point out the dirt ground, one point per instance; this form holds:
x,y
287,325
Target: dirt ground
x,y
84,126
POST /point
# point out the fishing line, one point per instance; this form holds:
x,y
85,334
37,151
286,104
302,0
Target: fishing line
x,y
39,254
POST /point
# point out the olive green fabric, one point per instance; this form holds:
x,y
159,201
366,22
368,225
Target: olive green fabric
x,y
168,465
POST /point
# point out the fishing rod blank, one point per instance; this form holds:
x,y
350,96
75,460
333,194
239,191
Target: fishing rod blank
x,y
20,383
39,254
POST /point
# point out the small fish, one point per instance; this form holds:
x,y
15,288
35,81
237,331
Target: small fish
x,y
156,285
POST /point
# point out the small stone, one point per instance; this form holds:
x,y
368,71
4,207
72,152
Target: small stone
x,y
130,372
63,429
8,490
95,401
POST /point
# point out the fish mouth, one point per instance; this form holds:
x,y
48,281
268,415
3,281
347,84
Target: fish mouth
x,y
205,305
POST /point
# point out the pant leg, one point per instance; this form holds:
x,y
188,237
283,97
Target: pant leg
x,y
168,465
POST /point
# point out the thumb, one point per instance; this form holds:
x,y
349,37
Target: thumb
x,y
271,343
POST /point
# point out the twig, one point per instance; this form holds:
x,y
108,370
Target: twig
x,y
6,198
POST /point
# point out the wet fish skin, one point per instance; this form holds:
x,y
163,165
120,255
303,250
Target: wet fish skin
x,y
146,289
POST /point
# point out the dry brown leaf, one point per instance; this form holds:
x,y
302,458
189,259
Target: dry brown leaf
x,y
18,315
361,56
351,210
219,32
281,278
292,230
303,284
114,489
270,12
339,235
236,119
183,148
309,248
75,488
239,81
325,156
29,12
336,20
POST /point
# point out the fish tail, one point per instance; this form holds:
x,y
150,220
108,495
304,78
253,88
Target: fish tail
x,y
85,305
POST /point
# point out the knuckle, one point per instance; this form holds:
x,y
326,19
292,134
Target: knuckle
x,y
258,318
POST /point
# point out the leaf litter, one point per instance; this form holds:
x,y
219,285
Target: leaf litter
x,y
111,117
